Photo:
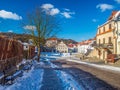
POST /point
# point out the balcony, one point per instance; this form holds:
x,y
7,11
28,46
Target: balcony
x,y
104,46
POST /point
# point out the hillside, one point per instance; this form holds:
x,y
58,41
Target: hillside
x,y
21,37
25,37
67,41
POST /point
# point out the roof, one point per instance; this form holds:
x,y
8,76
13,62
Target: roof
x,y
86,42
112,15
52,39
71,45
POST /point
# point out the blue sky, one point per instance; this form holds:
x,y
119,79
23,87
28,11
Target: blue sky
x,y
80,18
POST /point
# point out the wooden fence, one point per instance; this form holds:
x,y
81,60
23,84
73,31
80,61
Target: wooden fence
x,y
11,53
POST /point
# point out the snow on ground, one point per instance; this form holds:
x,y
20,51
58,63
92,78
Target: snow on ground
x,y
32,80
67,57
67,80
29,81
107,67
1,75
54,56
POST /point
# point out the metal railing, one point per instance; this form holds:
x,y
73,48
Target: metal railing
x,y
105,45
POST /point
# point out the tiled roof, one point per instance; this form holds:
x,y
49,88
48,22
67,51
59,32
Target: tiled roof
x,y
86,42
112,15
72,45
52,39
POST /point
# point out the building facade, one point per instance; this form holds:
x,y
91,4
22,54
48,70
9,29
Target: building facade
x,y
108,37
51,44
62,47
72,48
86,46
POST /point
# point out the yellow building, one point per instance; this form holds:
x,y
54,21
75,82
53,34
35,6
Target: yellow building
x,y
108,37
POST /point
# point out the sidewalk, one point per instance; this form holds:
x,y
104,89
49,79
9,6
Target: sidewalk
x,y
101,66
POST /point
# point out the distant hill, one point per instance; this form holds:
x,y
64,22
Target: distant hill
x,y
26,37
21,37
67,41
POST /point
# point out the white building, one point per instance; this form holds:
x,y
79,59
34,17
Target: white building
x,y
85,46
62,47
72,48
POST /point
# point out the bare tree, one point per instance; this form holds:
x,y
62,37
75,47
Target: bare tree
x,y
41,26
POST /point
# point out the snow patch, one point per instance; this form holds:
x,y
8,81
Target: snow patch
x,y
29,81
68,82
117,69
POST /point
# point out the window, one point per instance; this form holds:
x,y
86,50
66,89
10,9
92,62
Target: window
x,y
103,40
109,26
99,31
103,29
99,41
109,40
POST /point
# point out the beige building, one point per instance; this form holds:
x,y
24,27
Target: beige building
x,y
108,37
51,42
62,47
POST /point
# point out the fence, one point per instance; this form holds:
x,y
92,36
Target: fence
x,y
11,53
30,53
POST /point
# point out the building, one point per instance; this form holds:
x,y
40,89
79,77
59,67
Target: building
x,y
86,46
62,47
72,48
51,44
108,37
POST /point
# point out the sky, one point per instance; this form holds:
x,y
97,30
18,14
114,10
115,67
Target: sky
x,y
79,18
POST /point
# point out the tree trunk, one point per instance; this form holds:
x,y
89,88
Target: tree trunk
x,y
38,54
